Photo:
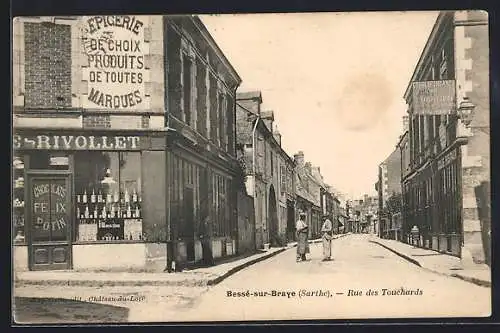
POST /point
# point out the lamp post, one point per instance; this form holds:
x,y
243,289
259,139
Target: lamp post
x,y
465,111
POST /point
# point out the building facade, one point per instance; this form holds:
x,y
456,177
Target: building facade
x,y
364,214
389,193
269,171
124,135
308,194
448,137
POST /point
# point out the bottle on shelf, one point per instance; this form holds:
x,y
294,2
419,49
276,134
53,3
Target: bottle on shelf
x,y
134,196
103,213
113,211
109,198
129,212
84,198
86,214
78,198
137,212
127,196
96,214
99,197
116,196
92,196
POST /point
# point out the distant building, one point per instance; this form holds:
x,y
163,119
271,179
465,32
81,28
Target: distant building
x,y
269,171
389,195
308,194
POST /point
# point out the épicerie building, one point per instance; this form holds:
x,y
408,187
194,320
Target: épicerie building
x,y
124,143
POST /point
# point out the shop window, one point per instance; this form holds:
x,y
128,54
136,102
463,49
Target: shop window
x,y
187,88
108,196
18,198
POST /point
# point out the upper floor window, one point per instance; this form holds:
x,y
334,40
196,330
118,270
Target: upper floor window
x,y
187,88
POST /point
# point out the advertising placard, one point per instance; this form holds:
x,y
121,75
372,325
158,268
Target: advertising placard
x,y
116,72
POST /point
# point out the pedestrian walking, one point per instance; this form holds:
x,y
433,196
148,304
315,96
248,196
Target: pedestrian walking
x,y
327,235
302,230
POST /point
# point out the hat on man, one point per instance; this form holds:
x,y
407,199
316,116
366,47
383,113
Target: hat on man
x,y
302,213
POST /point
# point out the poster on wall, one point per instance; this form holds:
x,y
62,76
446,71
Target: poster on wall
x,y
115,70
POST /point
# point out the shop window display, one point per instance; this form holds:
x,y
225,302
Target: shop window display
x,y
108,196
18,200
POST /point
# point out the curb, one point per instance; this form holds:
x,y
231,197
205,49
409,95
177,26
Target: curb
x,y
476,281
413,261
189,282
233,270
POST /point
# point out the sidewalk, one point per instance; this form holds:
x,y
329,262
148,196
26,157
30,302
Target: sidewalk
x,y
437,262
196,277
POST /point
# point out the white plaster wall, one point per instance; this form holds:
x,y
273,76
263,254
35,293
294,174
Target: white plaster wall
x,y
217,248
20,258
106,256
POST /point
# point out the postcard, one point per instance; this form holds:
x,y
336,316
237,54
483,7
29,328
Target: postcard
x,y
250,167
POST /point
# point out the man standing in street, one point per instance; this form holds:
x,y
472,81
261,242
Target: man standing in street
x,y
302,230
327,235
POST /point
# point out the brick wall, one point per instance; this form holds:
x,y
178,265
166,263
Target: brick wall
x,y
47,65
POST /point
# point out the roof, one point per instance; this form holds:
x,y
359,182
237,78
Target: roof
x,y
249,95
267,115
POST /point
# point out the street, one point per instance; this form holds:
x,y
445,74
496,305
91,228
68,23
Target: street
x,y
363,281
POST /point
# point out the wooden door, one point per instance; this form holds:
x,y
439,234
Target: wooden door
x,y
49,222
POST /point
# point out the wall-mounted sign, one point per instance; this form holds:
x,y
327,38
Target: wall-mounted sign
x,y
77,142
447,159
433,97
116,73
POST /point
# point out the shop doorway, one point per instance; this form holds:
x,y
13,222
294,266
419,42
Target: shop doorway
x,y
188,201
290,222
50,220
273,219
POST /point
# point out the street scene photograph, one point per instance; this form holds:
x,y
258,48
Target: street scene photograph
x,y
250,167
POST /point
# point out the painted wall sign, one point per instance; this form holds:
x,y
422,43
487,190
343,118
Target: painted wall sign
x,y
447,159
49,208
77,142
116,73
433,97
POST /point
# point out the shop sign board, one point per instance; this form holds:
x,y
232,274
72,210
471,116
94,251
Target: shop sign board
x,y
77,142
433,97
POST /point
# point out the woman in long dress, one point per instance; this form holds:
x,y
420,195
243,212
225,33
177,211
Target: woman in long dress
x,y
302,230
327,235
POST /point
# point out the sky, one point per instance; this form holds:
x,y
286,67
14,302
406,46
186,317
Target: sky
x,y
335,82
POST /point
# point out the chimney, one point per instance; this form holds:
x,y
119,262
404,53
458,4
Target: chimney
x,y
251,101
277,135
299,158
268,118
406,123
308,167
